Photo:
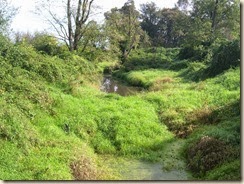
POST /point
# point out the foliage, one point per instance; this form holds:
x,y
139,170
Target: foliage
x,y
147,58
45,43
170,29
124,29
227,56
70,25
164,26
194,72
93,41
7,12
56,123
210,22
150,18
228,171
194,52
208,153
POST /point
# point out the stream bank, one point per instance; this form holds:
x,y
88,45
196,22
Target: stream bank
x,y
170,167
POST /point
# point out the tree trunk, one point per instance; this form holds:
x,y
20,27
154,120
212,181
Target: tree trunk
x,y
213,27
82,14
70,31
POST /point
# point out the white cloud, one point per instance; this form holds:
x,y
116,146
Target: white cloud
x,y
26,20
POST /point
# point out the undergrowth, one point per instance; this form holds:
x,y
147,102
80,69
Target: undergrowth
x,y
56,124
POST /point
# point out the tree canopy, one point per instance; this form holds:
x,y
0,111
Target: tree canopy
x,y
7,12
124,28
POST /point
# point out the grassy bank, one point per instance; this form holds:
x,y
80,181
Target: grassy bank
x,y
54,120
205,112
56,124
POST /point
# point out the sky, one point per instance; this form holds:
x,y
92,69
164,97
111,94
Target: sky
x,y
27,21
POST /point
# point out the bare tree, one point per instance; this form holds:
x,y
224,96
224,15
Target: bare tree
x,y
7,12
68,23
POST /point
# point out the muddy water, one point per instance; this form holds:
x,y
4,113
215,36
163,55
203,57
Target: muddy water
x,y
109,85
129,169
171,167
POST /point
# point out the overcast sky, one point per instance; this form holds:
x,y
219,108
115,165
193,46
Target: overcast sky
x,y
26,20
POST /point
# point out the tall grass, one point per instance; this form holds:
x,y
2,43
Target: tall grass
x,y
51,115
55,123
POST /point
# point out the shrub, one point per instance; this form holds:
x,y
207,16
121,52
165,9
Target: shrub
x,y
227,171
193,52
45,43
227,56
194,71
84,169
50,71
178,65
208,153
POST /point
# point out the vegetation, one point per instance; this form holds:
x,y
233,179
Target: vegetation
x,y
7,13
70,25
55,123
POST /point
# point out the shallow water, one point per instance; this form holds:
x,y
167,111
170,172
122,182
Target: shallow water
x,y
171,167
109,85
130,169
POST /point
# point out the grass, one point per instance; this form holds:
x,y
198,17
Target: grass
x,y
126,126
152,79
56,123
193,110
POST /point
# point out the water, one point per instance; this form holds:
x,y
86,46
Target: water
x,y
109,85
171,167
132,169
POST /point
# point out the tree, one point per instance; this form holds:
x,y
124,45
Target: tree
x,y
212,23
150,18
171,27
183,5
214,19
71,23
93,37
7,12
165,27
124,28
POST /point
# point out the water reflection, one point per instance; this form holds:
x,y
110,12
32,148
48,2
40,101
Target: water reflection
x,y
110,85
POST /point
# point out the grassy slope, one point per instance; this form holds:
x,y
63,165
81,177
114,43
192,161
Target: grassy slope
x,y
196,110
53,118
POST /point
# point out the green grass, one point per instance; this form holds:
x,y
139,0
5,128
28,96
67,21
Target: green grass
x,y
152,79
112,124
50,116
206,108
56,124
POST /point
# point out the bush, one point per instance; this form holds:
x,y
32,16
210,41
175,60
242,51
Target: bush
x,y
45,43
226,57
84,169
150,58
227,171
178,65
194,71
193,52
208,153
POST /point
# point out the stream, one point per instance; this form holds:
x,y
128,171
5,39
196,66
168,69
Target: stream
x,y
132,169
109,85
171,167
